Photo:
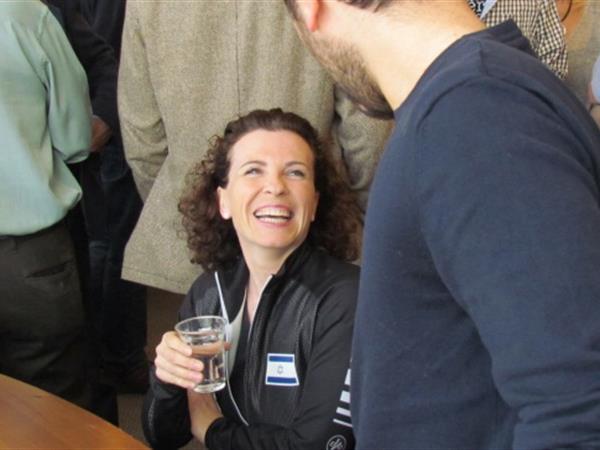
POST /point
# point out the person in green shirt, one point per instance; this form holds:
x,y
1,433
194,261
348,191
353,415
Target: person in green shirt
x,y
45,123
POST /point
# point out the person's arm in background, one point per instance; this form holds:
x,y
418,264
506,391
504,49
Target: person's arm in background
x,y
106,19
98,60
69,111
549,40
142,128
362,140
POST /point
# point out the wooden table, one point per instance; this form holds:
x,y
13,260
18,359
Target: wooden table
x,y
34,419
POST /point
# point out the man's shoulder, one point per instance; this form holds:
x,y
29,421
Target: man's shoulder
x,y
483,67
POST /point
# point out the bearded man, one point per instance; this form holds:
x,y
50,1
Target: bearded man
x,y
478,324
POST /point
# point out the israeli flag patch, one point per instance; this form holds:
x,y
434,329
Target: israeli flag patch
x,y
281,370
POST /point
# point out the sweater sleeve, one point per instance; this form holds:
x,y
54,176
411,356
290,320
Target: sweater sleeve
x,y
98,60
165,413
323,416
512,221
362,140
595,82
165,416
142,127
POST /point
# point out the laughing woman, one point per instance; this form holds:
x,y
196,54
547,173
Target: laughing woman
x,y
273,225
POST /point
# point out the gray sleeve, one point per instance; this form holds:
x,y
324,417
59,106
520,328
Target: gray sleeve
x,y
362,140
142,128
595,83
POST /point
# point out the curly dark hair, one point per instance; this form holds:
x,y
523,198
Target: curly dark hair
x,y
337,227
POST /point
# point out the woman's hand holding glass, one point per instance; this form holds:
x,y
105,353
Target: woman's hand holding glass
x,y
175,364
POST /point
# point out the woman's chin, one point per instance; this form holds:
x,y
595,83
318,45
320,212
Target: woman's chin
x,y
278,246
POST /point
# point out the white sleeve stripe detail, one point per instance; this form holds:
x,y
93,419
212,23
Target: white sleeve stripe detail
x,y
345,397
343,412
341,422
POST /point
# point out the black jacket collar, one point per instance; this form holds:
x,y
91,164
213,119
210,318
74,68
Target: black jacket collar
x,y
235,279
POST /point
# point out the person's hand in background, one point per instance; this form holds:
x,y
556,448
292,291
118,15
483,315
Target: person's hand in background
x,y
101,133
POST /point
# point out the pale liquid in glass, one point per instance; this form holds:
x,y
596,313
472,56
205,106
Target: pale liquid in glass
x,y
207,346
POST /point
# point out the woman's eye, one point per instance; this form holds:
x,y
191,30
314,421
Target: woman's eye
x,y
252,171
297,173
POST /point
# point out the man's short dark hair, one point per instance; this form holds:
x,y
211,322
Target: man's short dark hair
x,y
363,4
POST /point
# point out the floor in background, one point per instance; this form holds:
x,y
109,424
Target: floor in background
x,y
162,315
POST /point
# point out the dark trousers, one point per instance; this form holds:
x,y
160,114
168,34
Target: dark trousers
x,y
116,309
42,326
111,206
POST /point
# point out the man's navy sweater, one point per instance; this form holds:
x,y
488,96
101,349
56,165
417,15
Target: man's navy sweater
x,y
478,325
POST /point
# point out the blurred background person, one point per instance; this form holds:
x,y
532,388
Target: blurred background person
x,y
580,19
538,20
87,221
274,225
45,120
114,206
187,68
107,214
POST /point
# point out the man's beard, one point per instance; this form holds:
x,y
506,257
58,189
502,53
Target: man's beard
x,y
346,67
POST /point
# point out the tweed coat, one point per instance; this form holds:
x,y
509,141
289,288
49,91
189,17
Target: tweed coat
x,y
189,67
584,48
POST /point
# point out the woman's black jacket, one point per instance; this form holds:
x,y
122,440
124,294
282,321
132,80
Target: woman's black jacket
x,y
303,322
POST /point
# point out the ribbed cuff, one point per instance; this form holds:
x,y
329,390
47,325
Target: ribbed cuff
x,y
210,439
163,391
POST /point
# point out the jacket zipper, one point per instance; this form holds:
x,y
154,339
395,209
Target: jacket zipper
x,y
260,295
259,302
226,360
222,300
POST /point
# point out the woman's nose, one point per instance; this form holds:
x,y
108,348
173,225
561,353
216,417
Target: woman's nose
x,y
275,185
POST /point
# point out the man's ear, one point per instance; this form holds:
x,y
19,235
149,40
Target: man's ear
x,y
309,10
